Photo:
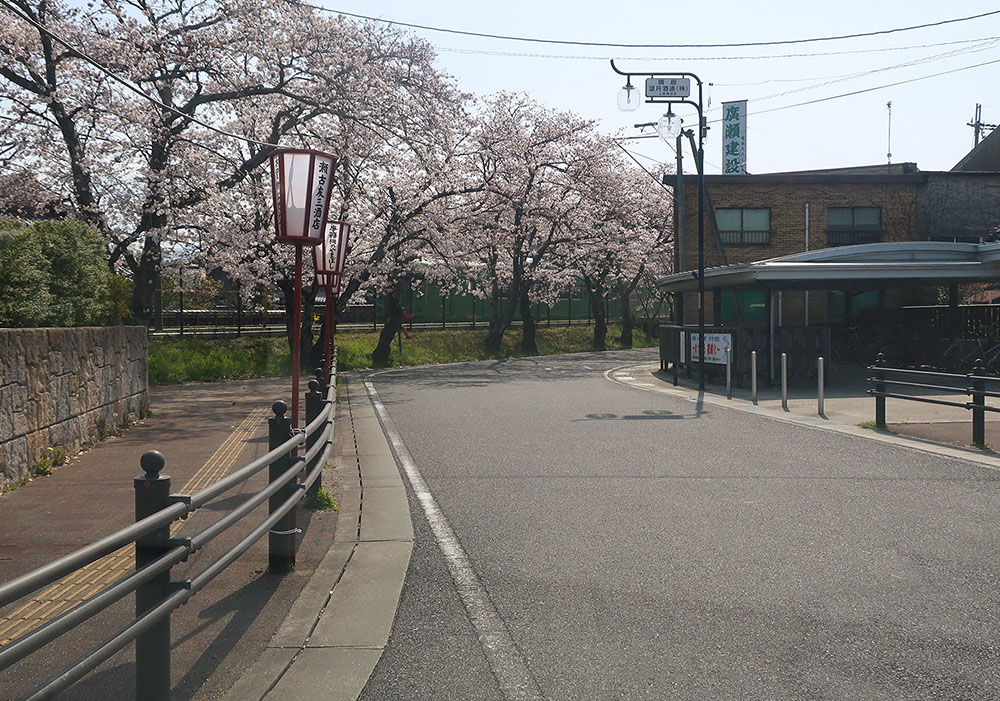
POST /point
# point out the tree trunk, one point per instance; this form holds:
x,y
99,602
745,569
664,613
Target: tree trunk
x,y
287,287
144,290
595,295
494,338
529,343
628,322
394,322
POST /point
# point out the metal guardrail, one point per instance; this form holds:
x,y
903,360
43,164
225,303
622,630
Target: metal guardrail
x,y
156,552
973,384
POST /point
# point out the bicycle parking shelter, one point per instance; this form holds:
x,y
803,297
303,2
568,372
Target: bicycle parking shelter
x,y
849,269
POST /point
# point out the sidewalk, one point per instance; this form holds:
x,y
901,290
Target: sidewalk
x,y
847,407
334,635
204,431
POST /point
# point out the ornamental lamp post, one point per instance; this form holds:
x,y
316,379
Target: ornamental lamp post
x,y
675,88
301,182
329,259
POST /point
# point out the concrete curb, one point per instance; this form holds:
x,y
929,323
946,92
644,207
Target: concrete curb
x,y
334,634
641,377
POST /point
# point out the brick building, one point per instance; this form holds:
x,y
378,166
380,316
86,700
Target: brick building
x,y
751,218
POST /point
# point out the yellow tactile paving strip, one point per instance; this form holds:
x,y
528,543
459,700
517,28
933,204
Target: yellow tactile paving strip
x,y
76,588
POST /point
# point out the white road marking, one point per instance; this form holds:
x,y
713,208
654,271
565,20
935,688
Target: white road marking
x,y
508,665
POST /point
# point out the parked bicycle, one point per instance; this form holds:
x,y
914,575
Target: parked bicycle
x,y
961,356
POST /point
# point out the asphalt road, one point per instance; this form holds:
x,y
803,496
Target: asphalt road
x,y
639,545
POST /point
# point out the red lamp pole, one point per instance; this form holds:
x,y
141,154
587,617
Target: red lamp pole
x,y
296,336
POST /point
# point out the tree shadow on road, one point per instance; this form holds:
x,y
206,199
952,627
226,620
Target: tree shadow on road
x,y
648,415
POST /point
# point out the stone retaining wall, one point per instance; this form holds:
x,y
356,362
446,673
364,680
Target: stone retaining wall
x,y
67,389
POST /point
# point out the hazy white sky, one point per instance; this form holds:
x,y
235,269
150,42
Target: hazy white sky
x,y
928,116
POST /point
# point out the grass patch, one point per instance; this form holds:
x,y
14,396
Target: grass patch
x,y
319,501
424,347
874,427
174,360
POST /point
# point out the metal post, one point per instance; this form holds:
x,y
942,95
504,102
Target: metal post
x,y
314,405
753,376
978,387
784,381
879,392
687,353
280,541
180,300
677,349
152,648
701,244
819,367
239,311
729,375
158,302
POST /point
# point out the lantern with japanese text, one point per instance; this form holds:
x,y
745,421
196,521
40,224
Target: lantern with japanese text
x,y
329,259
301,183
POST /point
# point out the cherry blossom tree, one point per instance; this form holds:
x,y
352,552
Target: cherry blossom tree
x,y
527,158
274,71
403,160
629,218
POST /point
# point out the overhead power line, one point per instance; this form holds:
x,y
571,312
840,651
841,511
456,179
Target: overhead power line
x,y
877,87
841,95
813,54
564,42
861,74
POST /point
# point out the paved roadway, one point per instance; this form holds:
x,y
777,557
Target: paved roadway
x,y
613,543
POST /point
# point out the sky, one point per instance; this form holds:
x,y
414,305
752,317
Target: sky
x,y
928,117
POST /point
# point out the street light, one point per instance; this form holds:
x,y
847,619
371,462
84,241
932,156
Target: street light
x,y
629,98
329,259
675,88
668,127
301,182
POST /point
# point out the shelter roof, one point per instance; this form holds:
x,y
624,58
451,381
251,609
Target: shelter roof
x,y
868,266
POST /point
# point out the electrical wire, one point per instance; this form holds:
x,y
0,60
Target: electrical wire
x,y
485,52
135,89
872,89
975,48
861,74
563,42
16,11
841,95
666,188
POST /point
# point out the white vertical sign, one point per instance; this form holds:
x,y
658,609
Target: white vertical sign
x,y
734,138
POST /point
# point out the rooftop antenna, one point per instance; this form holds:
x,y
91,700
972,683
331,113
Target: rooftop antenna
x,y
888,155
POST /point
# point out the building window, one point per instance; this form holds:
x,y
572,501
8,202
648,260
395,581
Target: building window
x,y
742,225
850,225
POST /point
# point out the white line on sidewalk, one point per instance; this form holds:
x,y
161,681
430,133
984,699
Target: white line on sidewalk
x,y
508,665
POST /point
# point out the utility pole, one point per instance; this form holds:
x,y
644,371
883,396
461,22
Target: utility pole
x,y
979,126
888,155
